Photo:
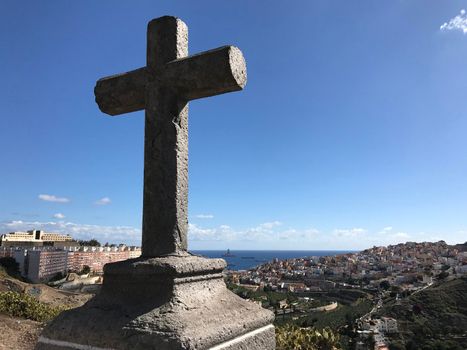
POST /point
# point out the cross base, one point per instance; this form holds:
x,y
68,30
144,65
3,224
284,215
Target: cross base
x,y
164,303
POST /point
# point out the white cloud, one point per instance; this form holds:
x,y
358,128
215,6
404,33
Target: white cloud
x,y
388,236
287,234
59,216
457,23
221,233
269,225
352,232
265,232
103,201
204,216
310,233
14,223
52,198
292,234
386,229
401,235
114,234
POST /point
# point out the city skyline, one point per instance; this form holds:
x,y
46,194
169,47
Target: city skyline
x,y
348,134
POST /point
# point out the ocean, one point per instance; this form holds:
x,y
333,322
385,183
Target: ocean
x,y
247,259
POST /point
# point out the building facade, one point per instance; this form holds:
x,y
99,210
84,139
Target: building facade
x,y
97,257
387,325
40,265
42,255
34,238
7,252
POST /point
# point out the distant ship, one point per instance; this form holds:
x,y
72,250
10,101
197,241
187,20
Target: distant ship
x,y
228,254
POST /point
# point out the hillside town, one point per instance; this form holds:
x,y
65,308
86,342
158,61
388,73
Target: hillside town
x,y
389,273
407,265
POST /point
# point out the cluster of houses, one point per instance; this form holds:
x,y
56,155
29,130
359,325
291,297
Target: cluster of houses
x,y
409,266
376,329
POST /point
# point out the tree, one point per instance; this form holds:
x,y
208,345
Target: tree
x,y
349,319
10,265
396,345
58,276
394,291
385,285
417,309
91,243
443,275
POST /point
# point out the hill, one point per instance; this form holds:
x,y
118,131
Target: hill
x,y
434,318
42,292
19,333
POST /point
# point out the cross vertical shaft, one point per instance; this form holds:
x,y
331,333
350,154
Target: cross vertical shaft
x,y
163,88
165,194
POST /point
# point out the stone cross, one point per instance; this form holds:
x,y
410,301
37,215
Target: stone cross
x,y
169,299
163,88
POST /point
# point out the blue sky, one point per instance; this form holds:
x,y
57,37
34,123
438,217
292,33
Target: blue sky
x,y
351,131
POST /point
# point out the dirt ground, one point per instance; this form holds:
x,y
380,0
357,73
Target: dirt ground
x,y
17,333
21,334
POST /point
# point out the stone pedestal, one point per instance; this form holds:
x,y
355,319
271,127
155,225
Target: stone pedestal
x,y
164,303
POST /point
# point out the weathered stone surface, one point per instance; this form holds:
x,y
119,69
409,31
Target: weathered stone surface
x,y
208,73
164,303
260,339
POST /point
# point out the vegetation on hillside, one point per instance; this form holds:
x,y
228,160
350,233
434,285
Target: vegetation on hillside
x,y
301,322
435,318
26,306
268,298
343,316
291,337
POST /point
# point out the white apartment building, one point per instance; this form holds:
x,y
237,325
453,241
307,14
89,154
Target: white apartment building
x,y
32,238
386,325
42,264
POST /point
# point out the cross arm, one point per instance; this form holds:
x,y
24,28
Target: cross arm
x,y
121,93
208,73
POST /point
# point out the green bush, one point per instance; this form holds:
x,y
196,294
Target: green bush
x,y
86,269
91,243
3,272
23,305
291,337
